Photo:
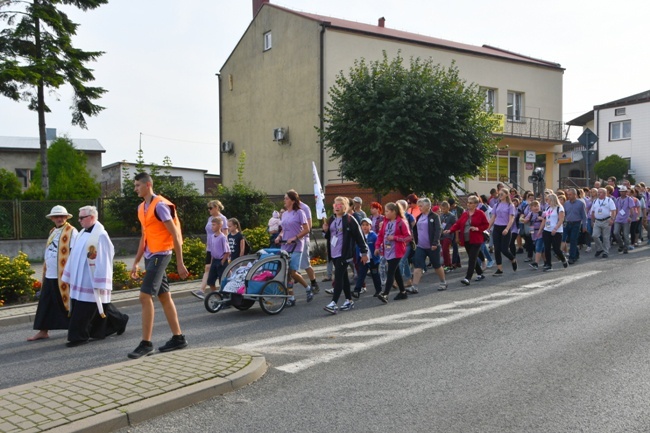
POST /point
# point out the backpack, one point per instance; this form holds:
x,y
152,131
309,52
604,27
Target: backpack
x,y
247,248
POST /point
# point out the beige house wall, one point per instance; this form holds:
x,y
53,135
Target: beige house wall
x,y
262,90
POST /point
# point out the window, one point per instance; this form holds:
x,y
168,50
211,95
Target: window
x,y
496,169
490,99
515,106
620,130
267,41
619,112
24,175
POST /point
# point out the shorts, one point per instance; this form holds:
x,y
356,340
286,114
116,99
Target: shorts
x,y
539,245
295,260
155,278
419,259
216,271
304,257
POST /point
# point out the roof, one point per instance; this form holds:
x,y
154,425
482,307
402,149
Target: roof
x,y
32,143
133,164
385,32
582,120
628,100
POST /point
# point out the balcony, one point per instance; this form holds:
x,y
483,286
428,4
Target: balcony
x,y
529,127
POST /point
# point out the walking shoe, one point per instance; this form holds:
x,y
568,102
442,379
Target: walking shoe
x,y
400,296
442,286
588,249
449,269
514,265
534,265
331,308
490,263
383,298
145,348
571,261
604,256
356,294
176,342
565,264
198,294
347,305
620,250
498,273
310,295
625,251
528,259
363,290
411,289
479,277
290,303
598,253
465,282
547,268
314,288
326,279
329,291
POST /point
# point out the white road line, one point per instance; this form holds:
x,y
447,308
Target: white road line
x,y
341,335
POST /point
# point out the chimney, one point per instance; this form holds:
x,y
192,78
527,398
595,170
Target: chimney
x,y
257,5
382,21
50,134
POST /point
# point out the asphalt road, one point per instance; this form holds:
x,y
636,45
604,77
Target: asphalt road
x,y
532,352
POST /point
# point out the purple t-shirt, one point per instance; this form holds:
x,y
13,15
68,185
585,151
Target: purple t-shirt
x,y
389,246
292,222
164,214
624,209
423,232
336,237
307,212
503,212
209,233
218,245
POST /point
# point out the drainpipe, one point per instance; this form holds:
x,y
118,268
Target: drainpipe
x,y
220,127
322,101
597,112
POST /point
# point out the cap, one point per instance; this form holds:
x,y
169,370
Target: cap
x,y
58,211
357,200
622,188
366,220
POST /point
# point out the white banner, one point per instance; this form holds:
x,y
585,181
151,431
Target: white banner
x,y
318,194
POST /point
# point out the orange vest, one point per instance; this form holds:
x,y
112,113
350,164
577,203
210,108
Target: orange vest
x,y
156,235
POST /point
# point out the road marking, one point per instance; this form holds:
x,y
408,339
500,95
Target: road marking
x,y
326,344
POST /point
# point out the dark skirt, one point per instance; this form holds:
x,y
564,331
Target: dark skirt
x,y
50,313
86,323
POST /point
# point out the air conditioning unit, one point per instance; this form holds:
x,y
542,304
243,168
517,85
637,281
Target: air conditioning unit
x,y
227,147
280,134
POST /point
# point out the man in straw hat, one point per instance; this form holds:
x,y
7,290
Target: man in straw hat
x,y
54,302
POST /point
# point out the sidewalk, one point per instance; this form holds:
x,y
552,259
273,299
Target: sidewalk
x,y
120,395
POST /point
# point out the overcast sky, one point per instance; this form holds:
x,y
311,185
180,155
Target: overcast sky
x,y
162,56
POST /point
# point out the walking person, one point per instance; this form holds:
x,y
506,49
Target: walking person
x,y
575,222
89,272
214,208
552,228
54,301
624,205
602,215
405,262
161,234
471,225
427,231
392,240
534,218
372,265
503,217
343,235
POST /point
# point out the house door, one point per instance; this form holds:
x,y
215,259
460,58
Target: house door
x,y
514,170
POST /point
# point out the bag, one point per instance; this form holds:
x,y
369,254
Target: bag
x,y
383,270
247,248
412,251
486,236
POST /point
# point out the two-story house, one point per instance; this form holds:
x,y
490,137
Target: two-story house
x,y
623,129
274,85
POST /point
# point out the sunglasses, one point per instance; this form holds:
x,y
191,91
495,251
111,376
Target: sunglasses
x,y
209,208
81,218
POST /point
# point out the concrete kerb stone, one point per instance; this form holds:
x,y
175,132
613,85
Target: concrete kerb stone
x,y
147,408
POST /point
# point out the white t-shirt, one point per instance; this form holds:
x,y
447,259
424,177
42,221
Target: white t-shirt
x,y
602,209
552,215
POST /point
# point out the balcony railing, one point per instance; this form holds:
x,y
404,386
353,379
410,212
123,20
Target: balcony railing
x,y
529,127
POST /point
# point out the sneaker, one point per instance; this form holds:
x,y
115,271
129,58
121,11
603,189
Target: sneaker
x,y
547,268
514,266
604,256
598,253
331,308
347,305
620,250
329,291
326,279
534,265
490,263
356,294
363,290
383,298
498,273
479,277
176,342
565,264
400,296
415,290
310,295
314,288
465,282
442,286
290,303
198,294
448,269
588,249
410,289
145,348
528,259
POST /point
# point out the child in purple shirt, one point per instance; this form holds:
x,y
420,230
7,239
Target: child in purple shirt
x,y
220,251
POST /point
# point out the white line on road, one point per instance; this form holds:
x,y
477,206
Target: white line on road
x,y
326,344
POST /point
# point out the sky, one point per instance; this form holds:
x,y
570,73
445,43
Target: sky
x,y
161,57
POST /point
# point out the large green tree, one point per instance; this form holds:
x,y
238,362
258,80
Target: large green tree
x,y
415,128
10,187
613,165
36,53
69,174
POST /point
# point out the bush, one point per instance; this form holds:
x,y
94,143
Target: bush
x,y
613,165
193,257
250,206
122,277
258,238
16,283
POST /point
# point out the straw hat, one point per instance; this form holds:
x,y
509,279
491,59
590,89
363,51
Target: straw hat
x,y
58,211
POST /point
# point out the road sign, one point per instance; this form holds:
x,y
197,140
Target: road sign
x,y
588,138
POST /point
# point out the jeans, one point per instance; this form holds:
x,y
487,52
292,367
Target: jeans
x,y
455,257
572,230
404,265
374,273
486,252
625,242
